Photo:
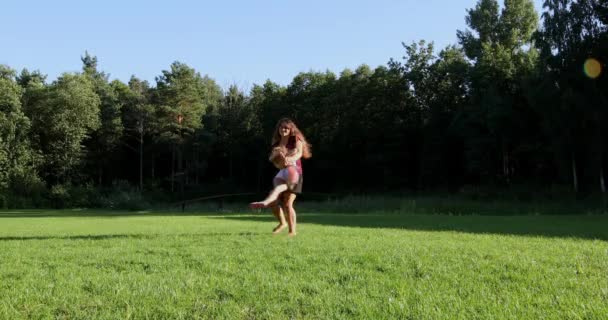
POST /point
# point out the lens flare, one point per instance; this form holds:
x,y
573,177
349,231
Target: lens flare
x,y
592,68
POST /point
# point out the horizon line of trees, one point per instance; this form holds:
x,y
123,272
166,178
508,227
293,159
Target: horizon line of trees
x,y
515,101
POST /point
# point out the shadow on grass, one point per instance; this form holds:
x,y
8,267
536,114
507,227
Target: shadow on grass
x,y
577,226
128,236
92,213
584,227
75,237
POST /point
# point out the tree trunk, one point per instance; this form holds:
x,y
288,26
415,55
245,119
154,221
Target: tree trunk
x,y
259,182
186,177
180,164
153,173
230,166
180,172
172,167
196,165
574,175
141,162
602,182
505,162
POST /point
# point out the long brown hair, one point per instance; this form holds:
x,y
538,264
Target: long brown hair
x,y
294,132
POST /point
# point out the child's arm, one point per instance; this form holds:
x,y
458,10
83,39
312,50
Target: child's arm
x,y
275,152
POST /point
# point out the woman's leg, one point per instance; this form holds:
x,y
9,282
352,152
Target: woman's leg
x,y
277,211
289,198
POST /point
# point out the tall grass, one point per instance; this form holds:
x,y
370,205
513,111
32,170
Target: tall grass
x,y
445,205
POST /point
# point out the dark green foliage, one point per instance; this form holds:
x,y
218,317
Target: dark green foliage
x,y
18,160
507,109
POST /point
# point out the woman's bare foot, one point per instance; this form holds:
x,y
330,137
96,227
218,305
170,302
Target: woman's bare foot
x,y
291,234
279,228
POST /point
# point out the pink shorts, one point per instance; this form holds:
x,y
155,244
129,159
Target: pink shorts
x,y
283,174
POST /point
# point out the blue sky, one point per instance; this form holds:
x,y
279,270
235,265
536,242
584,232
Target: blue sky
x,y
234,42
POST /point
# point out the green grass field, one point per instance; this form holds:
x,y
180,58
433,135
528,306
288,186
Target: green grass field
x,y
124,265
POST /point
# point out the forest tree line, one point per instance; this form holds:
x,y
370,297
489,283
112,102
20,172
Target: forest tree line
x,y
517,100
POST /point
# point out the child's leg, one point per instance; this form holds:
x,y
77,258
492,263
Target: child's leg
x,y
274,194
280,187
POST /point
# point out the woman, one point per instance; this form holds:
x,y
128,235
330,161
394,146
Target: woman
x,y
289,179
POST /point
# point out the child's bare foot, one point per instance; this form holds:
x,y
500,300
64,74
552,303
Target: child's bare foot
x,y
257,205
279,228
291,234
